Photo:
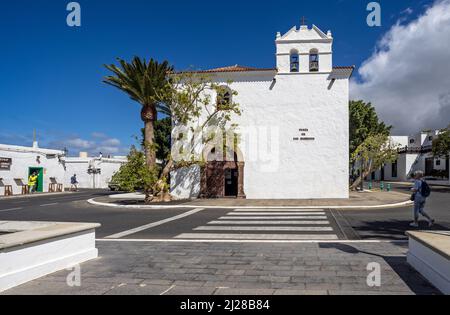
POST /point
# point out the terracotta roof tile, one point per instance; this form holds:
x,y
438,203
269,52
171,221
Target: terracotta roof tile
x,y
238,68
235,68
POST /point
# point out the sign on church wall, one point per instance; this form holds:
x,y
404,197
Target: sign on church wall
x,y
304,136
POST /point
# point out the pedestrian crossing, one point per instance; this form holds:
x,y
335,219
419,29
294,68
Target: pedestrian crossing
x,y
267,224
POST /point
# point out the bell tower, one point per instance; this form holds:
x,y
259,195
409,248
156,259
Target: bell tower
x,y
304,50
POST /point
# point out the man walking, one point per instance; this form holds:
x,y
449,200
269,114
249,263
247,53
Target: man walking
x,y
32,182
421,192
74,183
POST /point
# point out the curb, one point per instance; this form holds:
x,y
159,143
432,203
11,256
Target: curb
x,y
377,207
36,195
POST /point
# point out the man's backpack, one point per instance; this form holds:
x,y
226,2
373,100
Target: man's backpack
x,y
425,190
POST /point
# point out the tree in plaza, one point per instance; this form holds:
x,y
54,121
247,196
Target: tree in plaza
x,y
373,153
146,83
135,174
200,119
364,123
441,145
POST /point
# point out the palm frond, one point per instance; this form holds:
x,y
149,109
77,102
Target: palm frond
x,y
145,82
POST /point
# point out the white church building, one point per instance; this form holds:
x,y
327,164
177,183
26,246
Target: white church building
x,y
293,129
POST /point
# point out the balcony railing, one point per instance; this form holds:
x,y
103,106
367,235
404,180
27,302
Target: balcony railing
x,y
416,150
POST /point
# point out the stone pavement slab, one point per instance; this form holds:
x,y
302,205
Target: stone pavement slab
x,y
155,268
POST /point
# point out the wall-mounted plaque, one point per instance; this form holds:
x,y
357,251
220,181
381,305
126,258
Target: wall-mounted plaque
x,y
304,135
5,163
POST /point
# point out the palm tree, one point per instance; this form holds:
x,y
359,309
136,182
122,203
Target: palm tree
x,y
148,84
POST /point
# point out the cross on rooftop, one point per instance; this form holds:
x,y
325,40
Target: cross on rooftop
x,y
303,20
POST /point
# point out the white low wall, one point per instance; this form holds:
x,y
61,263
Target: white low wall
x,y
23,263
431,264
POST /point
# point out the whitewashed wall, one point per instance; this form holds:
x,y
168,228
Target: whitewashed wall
x,y
296,169
80,167
186,183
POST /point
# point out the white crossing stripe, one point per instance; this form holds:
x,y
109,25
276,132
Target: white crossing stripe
x,y
276,213
269,222
312,217
279,210
217,236
266,228
152,225
266,225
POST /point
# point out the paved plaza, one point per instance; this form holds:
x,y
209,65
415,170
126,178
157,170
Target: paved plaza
x,y
163,268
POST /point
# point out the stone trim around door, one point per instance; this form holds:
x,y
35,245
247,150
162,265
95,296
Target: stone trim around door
x,y
213,176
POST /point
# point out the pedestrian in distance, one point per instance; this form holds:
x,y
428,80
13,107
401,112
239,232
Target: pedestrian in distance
x,y
421,191
74,183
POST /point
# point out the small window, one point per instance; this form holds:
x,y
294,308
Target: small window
x,y
314,60
224,97
294,60
438,162
430,138
412,141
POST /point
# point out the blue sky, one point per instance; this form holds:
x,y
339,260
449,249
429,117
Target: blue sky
x,y
52,74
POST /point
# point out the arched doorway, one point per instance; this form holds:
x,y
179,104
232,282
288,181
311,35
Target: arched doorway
x,y
223,175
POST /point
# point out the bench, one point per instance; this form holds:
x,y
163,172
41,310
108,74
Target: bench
x,y
8,190
25,190
51,187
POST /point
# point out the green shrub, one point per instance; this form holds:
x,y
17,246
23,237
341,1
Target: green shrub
x,y
135,175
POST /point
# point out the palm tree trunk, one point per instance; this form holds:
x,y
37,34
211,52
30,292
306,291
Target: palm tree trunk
x,y
149,116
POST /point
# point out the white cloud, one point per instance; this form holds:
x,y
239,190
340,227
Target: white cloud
x,y
104,144
111,142
80,143
408,77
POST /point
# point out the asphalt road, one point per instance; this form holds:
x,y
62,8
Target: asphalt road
x,y
210,224
391,224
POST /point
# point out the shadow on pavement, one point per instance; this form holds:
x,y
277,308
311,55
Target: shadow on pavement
x,y
391,229
399,265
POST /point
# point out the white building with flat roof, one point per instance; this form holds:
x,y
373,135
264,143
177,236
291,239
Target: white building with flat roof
x,y
54,169
92,172
18,162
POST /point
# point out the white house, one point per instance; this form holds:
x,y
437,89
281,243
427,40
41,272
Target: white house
x,y
54,169
92,172
18,162
415,155
294,127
